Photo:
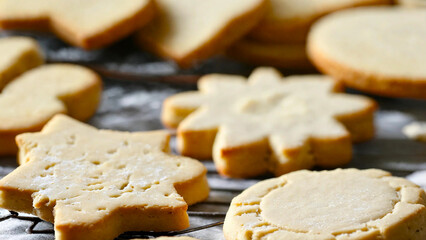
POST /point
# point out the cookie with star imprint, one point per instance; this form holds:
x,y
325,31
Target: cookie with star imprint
x,y
88,24
288,21
188,31
345,204
373,50
268,123
97,184
29,100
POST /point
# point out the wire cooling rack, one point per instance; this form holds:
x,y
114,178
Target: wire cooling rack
x,y
136,105
127,235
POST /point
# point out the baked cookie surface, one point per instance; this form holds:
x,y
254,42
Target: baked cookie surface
x,y
96,184
188,31
32,98
373,50
289,21
18,54
85,23
268,123
346,204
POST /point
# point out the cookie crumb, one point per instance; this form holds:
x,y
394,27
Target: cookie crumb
x,y
416,131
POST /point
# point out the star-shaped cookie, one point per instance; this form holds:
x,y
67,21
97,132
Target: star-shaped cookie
x,y
29,100
86,23
269,123
187,31
96,184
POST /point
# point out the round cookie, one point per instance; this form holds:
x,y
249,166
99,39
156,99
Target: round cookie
x,y
290,56
346,204
289,20
373,50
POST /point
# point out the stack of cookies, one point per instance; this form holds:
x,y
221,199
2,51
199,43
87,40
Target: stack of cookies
x,y
280,37
185,31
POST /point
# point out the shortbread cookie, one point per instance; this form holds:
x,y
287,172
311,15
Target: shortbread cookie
x,y
18,54
373,50
290,20
290,56
96,184
346,204
415,130
174,238
30,100
187,31
268,122
412,3
86,23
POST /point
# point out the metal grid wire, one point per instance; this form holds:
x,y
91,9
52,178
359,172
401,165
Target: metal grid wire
x,y
127,235
389,150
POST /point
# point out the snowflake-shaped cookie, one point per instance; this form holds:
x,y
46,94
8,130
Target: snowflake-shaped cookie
x,y
269,122
346,204
96,184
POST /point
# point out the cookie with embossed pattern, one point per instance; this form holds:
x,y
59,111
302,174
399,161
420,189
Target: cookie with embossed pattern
x,y
345,204
97,184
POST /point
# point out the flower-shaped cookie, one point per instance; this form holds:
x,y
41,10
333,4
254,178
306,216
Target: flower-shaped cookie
x,y
346,204
86,23
96,184
31,99
268,122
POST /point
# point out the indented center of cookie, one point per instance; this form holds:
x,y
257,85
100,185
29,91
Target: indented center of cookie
x,y
332,203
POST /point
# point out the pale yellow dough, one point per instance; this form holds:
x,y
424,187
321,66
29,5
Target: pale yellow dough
x,y
96,184
188,31
346,204
380,50
18,54
268,123
85,23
